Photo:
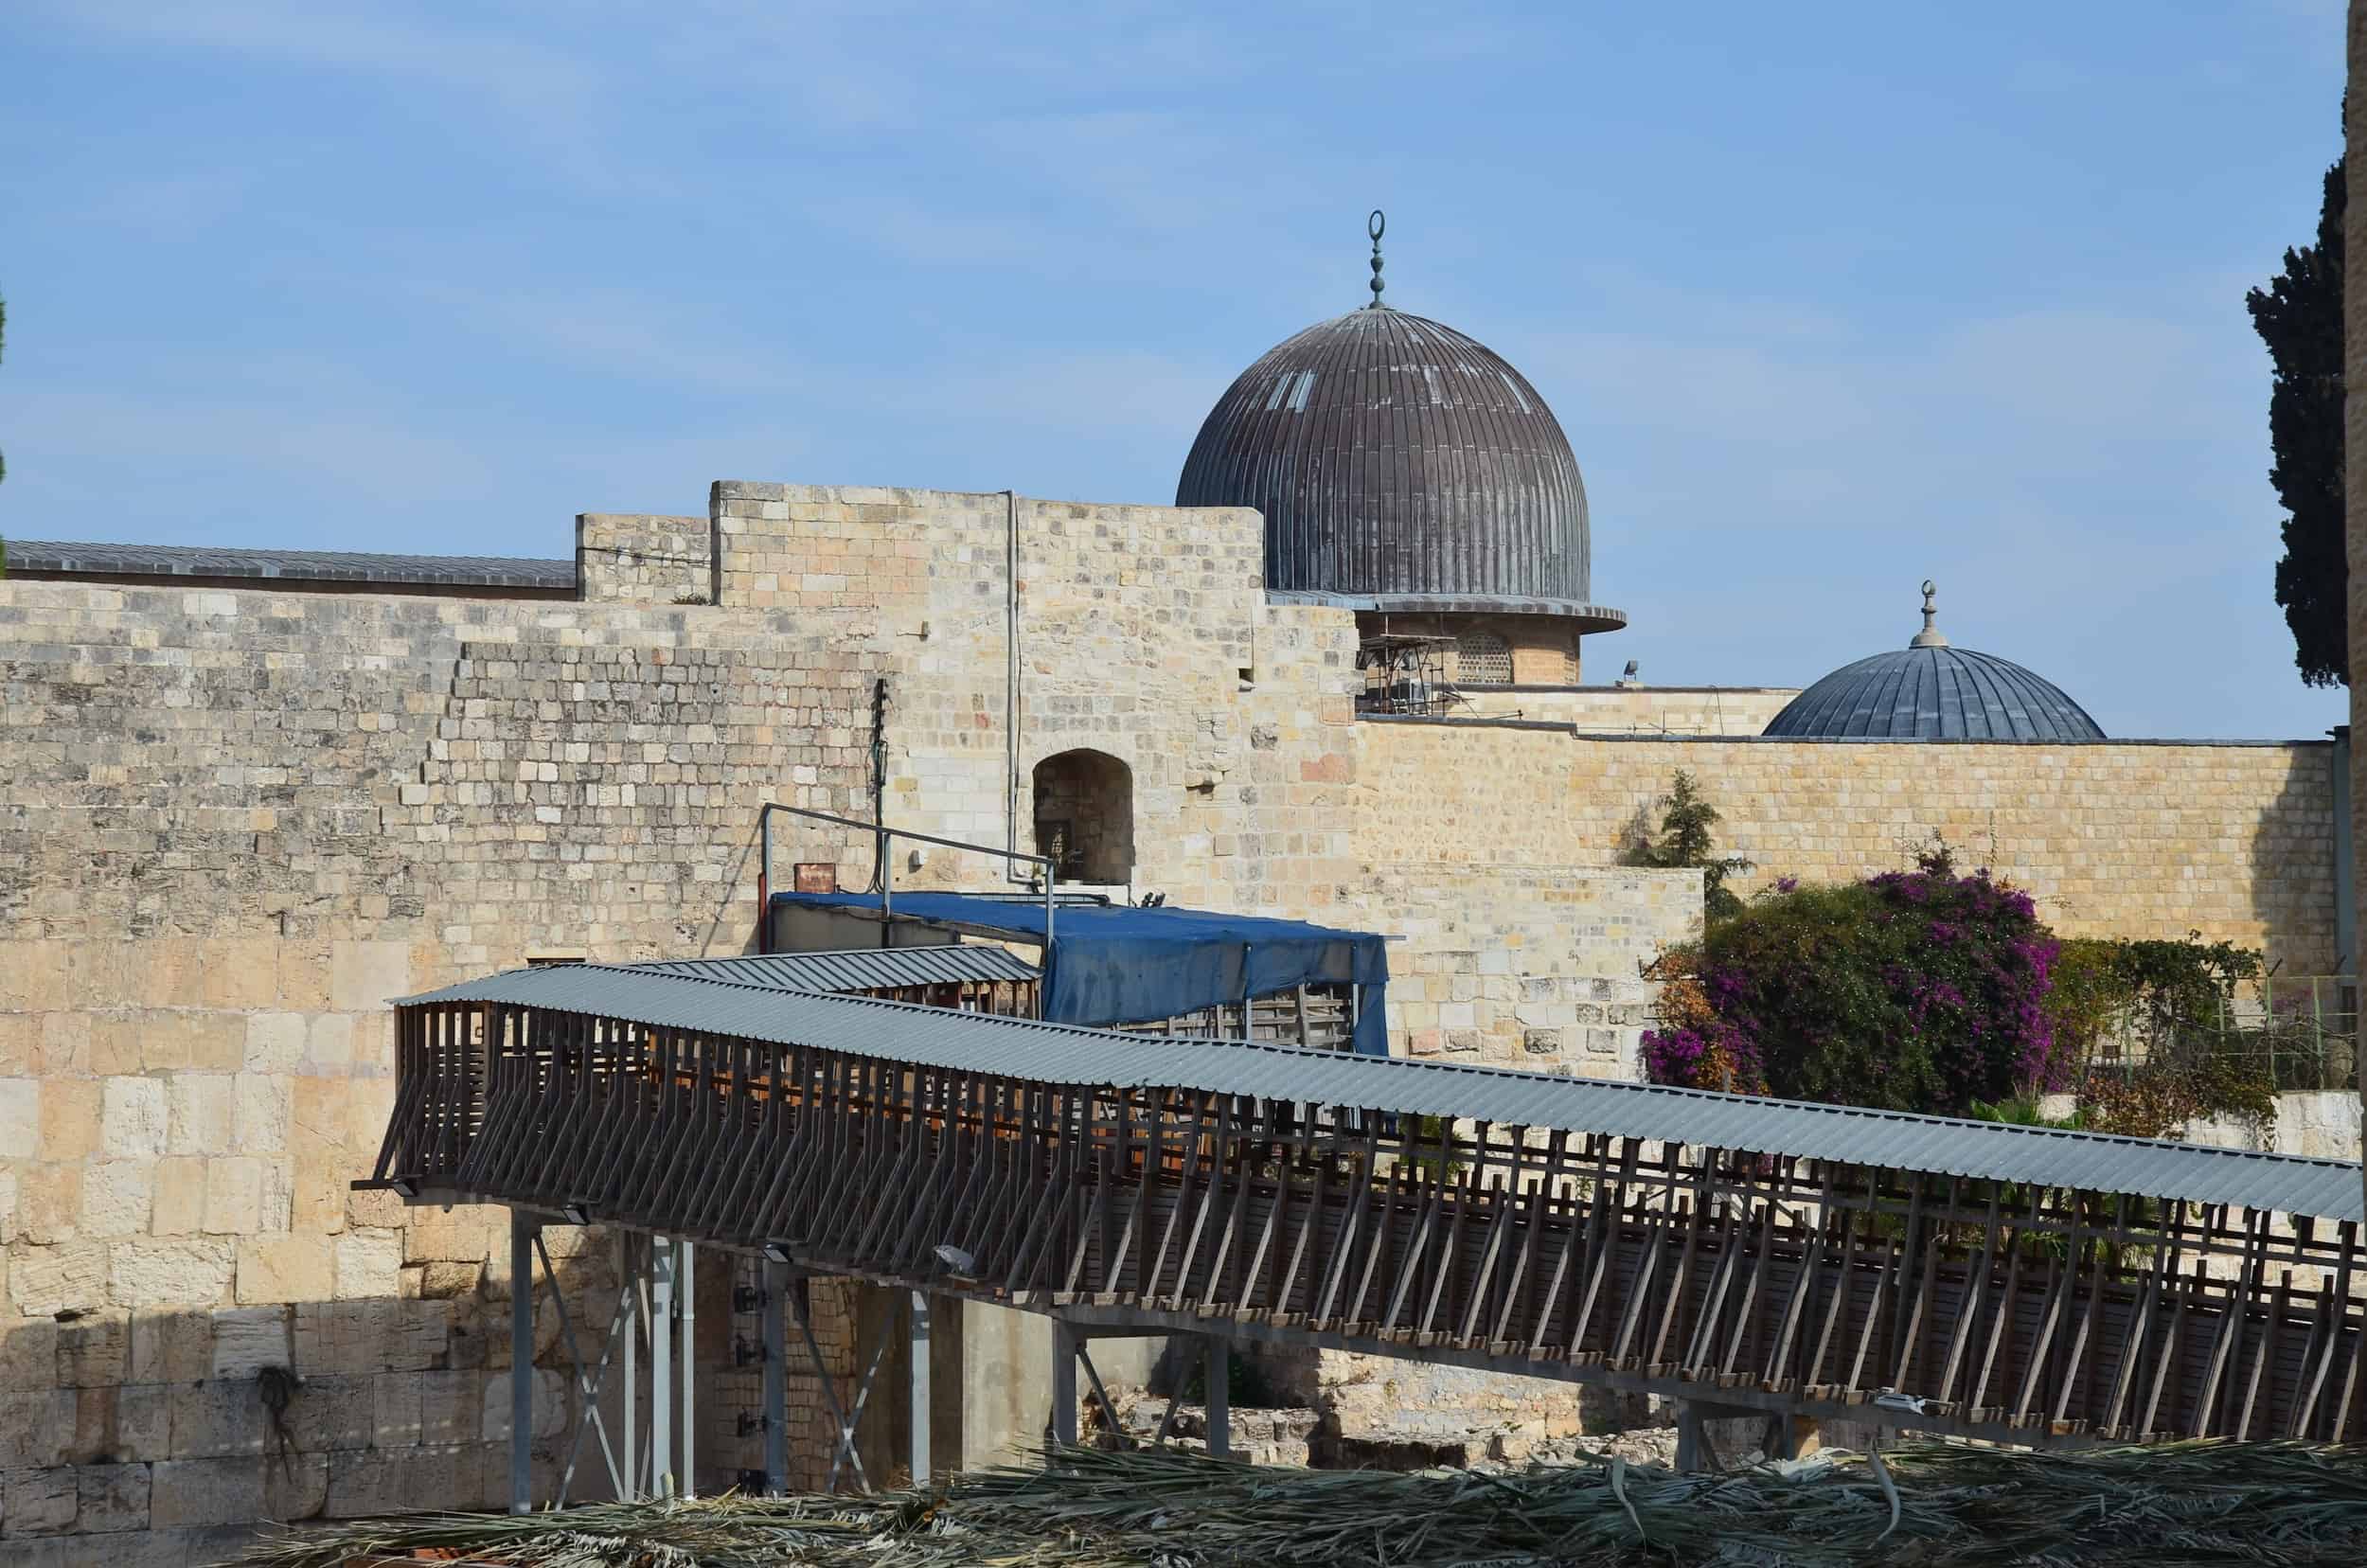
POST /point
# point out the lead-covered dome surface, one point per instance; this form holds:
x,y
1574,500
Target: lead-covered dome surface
x,y
1931,691
1398,460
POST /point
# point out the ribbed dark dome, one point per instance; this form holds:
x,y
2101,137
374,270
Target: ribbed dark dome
x,y
1396,459
1934,692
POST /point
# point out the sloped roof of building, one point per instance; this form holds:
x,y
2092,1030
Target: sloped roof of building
x,y
857,969
42,555
1071,1054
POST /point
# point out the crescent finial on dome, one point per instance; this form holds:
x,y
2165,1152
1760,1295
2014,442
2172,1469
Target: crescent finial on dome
x,y
1930,636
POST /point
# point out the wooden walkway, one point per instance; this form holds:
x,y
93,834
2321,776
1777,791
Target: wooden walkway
x,y
2024,1312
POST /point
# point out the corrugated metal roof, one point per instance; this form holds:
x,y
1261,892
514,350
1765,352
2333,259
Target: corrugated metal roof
x,y
1060,1053
44,555
856,969
1933,694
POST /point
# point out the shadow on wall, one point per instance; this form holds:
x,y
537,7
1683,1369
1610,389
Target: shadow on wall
x,y
2295,881
191,1424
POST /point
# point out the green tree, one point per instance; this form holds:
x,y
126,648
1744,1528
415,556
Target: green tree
x,y
1687,840
2299,316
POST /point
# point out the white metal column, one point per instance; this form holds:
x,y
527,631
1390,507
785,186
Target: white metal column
x,y
661,1367
522,1231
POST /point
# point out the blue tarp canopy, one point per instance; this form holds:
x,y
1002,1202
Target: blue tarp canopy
x,y
1111,964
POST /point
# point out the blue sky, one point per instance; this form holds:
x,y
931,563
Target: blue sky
x,y
1829,298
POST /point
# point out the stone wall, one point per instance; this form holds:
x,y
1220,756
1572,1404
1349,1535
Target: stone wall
x,y
234,823
2115,839
632,557
1526,965
1634,710
232,826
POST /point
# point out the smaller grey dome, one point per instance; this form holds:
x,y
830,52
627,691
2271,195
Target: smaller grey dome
x,y
1931,690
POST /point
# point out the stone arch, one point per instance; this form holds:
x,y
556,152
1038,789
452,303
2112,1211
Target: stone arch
x,y
1085,815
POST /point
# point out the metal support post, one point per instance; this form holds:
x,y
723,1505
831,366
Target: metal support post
x,y
1063,1382
920,1389
638,1291
1692,1440
1218,1365
522,1233
686,1292
776,1378
660,1365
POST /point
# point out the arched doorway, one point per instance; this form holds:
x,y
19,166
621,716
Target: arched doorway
x,y
1085,816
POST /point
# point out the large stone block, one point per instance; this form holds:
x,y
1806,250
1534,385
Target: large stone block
x,y
275,1043
233,1196
95,1350
50,1203
284,1267
143,1422
364,977
260,1115
395,1410
218,1417
213,1491
334,1412
195,1270
37,1501
178,1201
133,1118
45,1281
549,1395
110,1498
172,1346
452,1407
199,1114
74,1118
368,1263
29,1355
20,1118
36,1429
118,1197
248,1339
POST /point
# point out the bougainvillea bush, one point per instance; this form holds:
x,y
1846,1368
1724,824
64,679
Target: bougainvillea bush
x,y
1912,990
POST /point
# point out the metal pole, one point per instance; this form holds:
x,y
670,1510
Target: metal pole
x,y
776,1378
1218,1364
885,852
638,1292
1691,1438
920,1389
687,1294
520,1362
660,1365
764,879
1063,1382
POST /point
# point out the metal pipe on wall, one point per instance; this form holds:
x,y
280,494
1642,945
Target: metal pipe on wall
x,y
1010,680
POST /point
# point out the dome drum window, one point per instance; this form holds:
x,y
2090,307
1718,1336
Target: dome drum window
x,y
1482,658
